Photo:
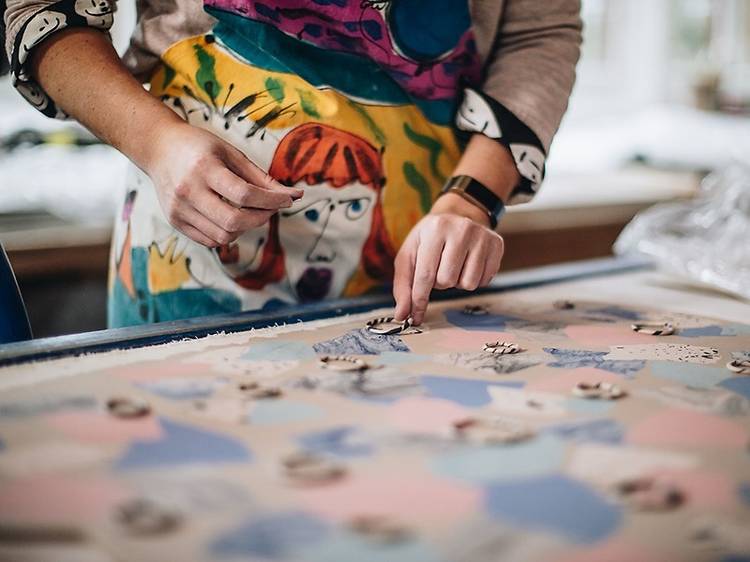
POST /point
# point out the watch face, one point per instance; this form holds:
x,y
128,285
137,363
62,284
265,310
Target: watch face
x,y
457,182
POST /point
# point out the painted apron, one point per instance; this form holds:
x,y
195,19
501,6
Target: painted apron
x,y
350,100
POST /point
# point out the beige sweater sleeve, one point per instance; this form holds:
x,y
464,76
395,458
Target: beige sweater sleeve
x,y
531,69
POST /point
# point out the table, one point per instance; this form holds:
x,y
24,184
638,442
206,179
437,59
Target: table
x,y
232,438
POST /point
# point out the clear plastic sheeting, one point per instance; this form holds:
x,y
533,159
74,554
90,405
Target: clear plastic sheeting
x,y
706,239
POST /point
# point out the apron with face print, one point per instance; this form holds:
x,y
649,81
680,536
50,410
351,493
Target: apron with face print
x,y
351,101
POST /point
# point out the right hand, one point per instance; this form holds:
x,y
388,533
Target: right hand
x,y
208,189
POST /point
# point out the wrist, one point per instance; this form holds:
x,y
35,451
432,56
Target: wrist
x,y
161,134
490,163
454,204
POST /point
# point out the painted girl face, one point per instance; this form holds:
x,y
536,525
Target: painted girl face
x,y
323,235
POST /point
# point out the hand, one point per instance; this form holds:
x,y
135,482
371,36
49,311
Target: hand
x,y
445,249
208,189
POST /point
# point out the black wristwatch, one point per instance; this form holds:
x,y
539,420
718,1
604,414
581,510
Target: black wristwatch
x,y
477,194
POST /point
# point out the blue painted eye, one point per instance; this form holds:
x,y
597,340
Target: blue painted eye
x,y
312,215
356,208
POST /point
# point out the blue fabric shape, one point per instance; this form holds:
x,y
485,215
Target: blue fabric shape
x,y
574,358
596,431
743,491
279,412
736,558
587,407
278,350
697,376
735,330
340,442
485,464
618,312
275,537
739,384
181,445
712,330
399,358
360,342
467,392
555,504
479,322
346,546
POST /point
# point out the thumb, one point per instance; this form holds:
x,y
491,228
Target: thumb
x,y
254,175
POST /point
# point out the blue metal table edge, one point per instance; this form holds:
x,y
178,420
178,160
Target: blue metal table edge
x,y
164,332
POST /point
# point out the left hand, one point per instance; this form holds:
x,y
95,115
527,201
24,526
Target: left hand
x,y
450,247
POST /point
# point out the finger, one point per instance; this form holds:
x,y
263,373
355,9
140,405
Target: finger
x,y
226,217
425,270
451,263
254,175
402,280
195,219
243,194
474,267
197,236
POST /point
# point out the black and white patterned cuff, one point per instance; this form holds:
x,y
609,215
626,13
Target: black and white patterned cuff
x,y
479,113
43,24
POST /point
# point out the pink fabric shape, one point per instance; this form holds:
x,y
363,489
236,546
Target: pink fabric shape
x,y
565,381
59,499
95,427
677,427
421,498
425,415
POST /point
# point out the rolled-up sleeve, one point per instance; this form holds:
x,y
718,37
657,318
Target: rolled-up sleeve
x,y
30,22
529,77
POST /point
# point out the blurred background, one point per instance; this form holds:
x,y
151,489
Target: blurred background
x,y
662,98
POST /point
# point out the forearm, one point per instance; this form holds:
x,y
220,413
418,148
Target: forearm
x,y
490,163
81,71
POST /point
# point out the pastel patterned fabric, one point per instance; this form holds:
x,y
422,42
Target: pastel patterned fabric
x,y
661,473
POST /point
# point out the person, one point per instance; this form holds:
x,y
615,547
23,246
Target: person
x,y
293,151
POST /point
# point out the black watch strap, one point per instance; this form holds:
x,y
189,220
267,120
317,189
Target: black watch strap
x,y
475,192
